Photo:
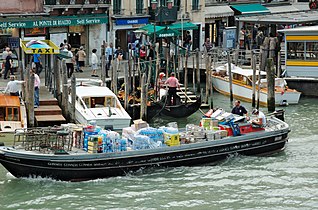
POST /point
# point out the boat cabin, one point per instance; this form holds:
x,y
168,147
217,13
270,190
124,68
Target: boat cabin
x,y
10,108
99,102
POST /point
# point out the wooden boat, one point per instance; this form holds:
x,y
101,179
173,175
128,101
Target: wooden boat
x,y
242,86
100,104
73,165
184,107
12,114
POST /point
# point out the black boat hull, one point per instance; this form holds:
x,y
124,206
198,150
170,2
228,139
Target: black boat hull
x,y
159,109
94,166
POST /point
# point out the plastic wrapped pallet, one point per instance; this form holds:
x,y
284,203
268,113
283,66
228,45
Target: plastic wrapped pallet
x,y
140,124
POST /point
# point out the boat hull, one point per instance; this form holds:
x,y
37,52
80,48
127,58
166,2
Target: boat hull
x,y
244,92
81,167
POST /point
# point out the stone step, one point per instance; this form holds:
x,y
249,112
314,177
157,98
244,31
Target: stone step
x,y
48,110
49,120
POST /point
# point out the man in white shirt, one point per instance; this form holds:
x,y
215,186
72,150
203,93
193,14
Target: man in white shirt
x,y
94,63
13,87
260,120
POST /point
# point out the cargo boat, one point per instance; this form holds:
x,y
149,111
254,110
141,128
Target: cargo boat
x,y
75,165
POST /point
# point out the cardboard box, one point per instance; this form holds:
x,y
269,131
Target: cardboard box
x,y
139,124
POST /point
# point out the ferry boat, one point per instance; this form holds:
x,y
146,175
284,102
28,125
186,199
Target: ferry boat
x,y
243,90
54,157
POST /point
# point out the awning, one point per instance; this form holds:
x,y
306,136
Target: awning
x,y
218,11
247,9
167,32
302,6
282,9
283,18
183,26
150,28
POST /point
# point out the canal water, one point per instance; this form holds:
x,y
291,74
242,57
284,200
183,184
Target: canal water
x,y
288,180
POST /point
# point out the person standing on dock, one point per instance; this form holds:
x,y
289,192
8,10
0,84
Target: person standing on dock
x,y
37,83
13,86
239,109
81,58
94,63
173,83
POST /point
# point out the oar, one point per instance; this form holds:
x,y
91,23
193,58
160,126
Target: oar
x,y
190,100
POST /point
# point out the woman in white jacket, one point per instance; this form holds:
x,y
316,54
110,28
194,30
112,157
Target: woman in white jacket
x,y
94,63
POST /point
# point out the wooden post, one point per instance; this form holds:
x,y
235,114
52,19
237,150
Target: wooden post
x,y
143,105
65,91
258,89
103,63
270,85
127,85
57,73
129,71
149,73
73,95
253,79
157,85
118,67
193,74
31,101
198,70
207,76
167,61
186,73
230,77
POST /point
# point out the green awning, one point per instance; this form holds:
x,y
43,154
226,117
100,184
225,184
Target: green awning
x,y
167,32
246,9
150,28
183,26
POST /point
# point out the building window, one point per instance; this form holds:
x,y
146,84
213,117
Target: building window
x,y
117,6
195,4
139,6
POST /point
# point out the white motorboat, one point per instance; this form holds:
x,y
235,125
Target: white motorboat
x,y
242,86
100,104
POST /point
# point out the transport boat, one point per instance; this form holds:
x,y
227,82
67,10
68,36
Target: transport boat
x,y
12,114
55,156
100,104
242,86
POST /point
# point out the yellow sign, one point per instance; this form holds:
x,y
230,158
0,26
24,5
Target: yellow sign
x,y
49,47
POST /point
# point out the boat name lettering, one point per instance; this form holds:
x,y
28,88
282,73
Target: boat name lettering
x,y
55,164
278,138
70,165
85,164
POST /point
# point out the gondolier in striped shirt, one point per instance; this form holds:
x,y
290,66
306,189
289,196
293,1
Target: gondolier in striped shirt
x,y
172,83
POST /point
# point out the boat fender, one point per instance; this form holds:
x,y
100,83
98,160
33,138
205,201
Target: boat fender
x,y
1,144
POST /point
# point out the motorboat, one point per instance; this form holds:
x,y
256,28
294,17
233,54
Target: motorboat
x,y
100,104
12,114
242,86
43,154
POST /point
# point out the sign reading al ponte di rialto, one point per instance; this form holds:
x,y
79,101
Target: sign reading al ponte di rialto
x,y
53,21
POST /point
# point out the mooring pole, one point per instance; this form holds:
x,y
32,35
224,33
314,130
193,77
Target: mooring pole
x,y
143,106
254,79
270,85
230,77
73,95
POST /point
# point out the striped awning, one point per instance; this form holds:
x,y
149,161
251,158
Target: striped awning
x,y
218,11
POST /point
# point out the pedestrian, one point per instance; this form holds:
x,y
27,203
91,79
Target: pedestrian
x,y
81,58
37,83
207,45
242,38
142,53
77,68
94,63
8,65
260,120
119,53
239,109
110,51
4,56
151,53
38,63
173,84
188,41
13,86
69,61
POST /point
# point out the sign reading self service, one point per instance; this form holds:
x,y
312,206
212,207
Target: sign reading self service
x,y
54,21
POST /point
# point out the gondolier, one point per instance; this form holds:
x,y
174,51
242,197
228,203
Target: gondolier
x,y
172,83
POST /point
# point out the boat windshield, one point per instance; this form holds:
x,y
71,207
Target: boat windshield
x,y
9,114
98,102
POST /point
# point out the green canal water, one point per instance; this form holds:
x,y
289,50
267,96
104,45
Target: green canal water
x,y
288,180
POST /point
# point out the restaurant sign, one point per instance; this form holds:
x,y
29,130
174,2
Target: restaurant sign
x,y
53,21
